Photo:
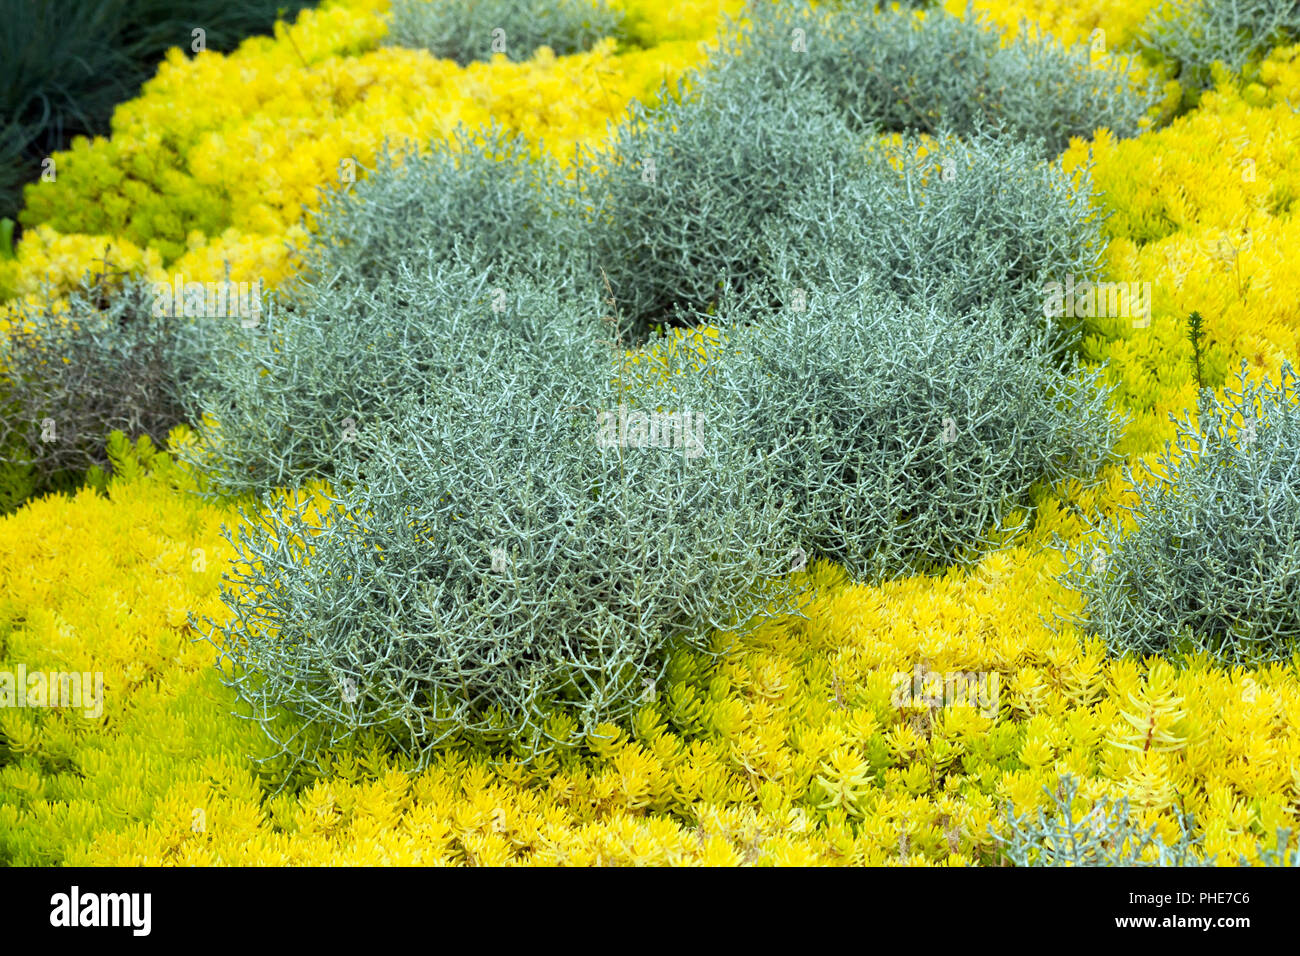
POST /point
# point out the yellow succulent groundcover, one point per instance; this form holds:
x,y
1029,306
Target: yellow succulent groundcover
x,y
764,759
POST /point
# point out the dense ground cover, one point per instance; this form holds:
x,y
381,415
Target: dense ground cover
x,y
790,741
68,64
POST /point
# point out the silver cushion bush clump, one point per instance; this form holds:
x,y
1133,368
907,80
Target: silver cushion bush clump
x,y
1213,562
405,268
975,226
726,194
507,560
469,30
480,198
900,434
963,224
684,197
285,400
894,71
71,376
491,569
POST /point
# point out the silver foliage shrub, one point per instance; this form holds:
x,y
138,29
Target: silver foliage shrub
x,y
480,198
890,71
964,224
1191,35
468,30
70,378
682,200
286,399
1213,562
409,260
731,190
900,433
402,621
